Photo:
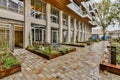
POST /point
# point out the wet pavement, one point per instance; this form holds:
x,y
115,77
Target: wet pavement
x,y
80,65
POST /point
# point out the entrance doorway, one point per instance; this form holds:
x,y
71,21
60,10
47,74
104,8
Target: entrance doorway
x,y
18,31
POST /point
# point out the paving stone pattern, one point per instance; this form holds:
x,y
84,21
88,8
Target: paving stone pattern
x,y
80,65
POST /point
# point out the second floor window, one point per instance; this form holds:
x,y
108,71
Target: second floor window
x,y
54,15
12,5
38,9
65,20
72,23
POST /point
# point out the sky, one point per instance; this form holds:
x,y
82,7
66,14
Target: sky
x,y
110,28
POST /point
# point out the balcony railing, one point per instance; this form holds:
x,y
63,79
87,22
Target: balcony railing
x,y
12,6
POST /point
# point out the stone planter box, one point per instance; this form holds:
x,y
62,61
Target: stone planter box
x,y
6,72
88,43
110,68
76,45
72,50
52,56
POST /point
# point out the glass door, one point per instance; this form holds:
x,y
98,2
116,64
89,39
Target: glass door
x,y
38,34
54,36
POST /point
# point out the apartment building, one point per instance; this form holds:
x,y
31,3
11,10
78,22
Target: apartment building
x,y
52,21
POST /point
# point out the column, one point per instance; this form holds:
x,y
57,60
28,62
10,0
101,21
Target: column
x,y
48,27
69,25
60,26
27,25
85,32
82,32
11,37
79,32
74,31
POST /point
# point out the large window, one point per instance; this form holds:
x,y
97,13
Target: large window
x,y
65,34
72,23
77,25
72,36
54,15
13,5
65,20
38,9
38,33
54,36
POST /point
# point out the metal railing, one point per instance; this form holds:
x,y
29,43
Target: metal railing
x,y
12,6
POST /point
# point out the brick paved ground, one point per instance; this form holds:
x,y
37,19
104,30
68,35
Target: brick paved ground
x,y
80,65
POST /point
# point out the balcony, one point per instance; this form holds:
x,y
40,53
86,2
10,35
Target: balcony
x,y
11,5
77,9
93,23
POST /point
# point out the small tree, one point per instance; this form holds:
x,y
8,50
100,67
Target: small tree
x,y
116,11
103,16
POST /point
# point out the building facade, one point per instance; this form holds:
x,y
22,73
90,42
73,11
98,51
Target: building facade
x,y
53,21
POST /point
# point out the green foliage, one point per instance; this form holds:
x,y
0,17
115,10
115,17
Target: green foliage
x,y
48,50
118,59
103,17
118,55
3,44
8,60
63,50
30,47
36,45
6,54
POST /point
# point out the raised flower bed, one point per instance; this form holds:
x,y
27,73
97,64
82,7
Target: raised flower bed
x,y
8,64
49,53
75,44
110,68
111,62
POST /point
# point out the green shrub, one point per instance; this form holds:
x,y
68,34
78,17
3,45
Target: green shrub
x,y
118,59
9,62
4,44
30,47
36,45
63,50
48,50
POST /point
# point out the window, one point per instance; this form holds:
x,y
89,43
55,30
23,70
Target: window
x,y
77,25
72,35
65,20
38,9
54,15
72,23
65,34
13,5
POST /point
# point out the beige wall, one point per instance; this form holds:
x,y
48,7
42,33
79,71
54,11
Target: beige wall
x,y
11,15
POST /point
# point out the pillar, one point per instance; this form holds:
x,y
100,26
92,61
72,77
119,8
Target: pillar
x,y
48,27
60,26
74,31
27,25
82,32
69,25
79,31
85,32
11,37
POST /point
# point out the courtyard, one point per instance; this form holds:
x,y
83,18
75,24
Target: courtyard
x,y
80,65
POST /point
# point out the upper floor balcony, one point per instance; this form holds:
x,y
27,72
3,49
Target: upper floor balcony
x,y
77,9
12,5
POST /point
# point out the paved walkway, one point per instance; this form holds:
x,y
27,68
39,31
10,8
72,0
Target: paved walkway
x,y
80,65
